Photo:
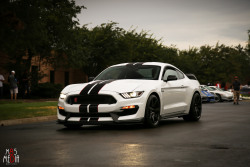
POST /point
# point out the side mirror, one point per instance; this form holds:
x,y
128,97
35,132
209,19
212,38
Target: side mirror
x,y
91,79
171,78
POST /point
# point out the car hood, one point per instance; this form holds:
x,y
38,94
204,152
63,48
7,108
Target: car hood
x,y
224,93
207,93
120,86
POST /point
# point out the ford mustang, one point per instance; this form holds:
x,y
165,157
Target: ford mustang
x,y
131,93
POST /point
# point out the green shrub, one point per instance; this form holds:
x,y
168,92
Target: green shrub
x,y
46,90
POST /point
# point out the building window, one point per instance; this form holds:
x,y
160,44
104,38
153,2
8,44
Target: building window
x,y
34,75
66,78
52,76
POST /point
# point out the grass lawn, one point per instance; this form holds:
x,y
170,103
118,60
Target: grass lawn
x,y
19,109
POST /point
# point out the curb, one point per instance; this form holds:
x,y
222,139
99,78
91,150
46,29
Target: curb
x,y
27,120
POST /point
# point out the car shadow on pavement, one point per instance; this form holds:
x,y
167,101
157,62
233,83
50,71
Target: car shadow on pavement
x,y
125,127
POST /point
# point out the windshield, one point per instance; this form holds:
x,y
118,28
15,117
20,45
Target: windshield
x,y
202,88
148,72
212,88
219,89
209,88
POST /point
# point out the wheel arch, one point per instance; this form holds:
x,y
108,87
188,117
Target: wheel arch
x,y
153,92
194,92
156,94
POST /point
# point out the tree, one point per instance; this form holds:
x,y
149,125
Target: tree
x,y
37,28
189,61
102,48
109,44
248,43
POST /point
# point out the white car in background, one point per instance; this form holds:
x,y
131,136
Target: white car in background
x,y
131,93
222,95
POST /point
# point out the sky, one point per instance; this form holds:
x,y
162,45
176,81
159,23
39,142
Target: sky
x,y
181,23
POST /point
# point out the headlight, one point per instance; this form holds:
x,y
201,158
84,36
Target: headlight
x,y
129,95
62,96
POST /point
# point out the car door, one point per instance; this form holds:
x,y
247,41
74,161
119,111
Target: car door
x,y
173,92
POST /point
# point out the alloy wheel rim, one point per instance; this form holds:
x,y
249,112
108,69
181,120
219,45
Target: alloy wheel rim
x,y
154,108
197,106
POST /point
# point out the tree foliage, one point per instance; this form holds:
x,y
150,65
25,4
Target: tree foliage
x,y
33,27
109,44
49,28
219,63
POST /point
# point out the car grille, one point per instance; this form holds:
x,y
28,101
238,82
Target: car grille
x,y
91,99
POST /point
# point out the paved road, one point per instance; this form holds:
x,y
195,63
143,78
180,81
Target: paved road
x,y
220,138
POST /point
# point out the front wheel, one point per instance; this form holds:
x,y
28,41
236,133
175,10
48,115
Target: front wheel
x,y
195,109
219,98
152,112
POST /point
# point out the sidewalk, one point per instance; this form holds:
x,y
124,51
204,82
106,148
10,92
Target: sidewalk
x,y
31,100
28,120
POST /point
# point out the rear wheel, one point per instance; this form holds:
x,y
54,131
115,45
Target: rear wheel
x,y
195,109
152,112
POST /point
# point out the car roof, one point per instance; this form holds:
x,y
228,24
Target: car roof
x,y
146,63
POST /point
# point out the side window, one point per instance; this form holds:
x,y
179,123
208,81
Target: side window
x,y
180,74
169,72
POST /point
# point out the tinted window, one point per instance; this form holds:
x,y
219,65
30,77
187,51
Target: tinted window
x,y
180,74
210,88
169,72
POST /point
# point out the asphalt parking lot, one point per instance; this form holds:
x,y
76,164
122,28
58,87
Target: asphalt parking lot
x,y
220,138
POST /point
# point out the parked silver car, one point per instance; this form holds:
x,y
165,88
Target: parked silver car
x,y
222,95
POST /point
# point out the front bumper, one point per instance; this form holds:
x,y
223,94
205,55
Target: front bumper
x,y
227,98
96,114
208,99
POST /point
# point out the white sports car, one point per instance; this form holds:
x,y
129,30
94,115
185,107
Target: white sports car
x,y
222,95
131,93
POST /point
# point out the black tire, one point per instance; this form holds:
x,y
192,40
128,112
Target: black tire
x,y
219,98
152,112
195,109
216,98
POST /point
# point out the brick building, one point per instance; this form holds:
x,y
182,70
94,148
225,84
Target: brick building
x,y
62,75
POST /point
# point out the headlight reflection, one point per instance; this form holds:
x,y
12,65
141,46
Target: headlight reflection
x,y
133,155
